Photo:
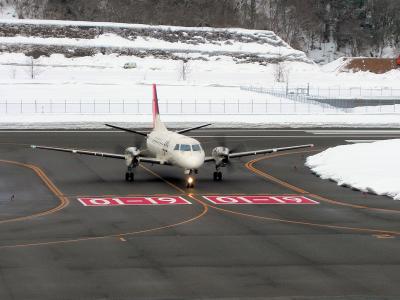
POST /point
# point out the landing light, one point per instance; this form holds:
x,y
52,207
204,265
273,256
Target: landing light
x,y
190,180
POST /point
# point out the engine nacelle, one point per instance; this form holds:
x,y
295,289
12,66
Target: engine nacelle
x,y
220,155
131,156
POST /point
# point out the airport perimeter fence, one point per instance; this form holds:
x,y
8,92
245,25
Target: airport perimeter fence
x,y
347,100
276,101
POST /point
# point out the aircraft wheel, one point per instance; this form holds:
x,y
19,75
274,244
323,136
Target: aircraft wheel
x,y
130,176
219,176
215,176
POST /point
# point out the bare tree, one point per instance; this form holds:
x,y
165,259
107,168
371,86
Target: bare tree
x,y
13,73
184,68
281,72
33,69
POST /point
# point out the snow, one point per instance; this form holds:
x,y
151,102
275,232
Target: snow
x,y
7,12
135,26
98,88
95,88
335,65
114,41
73,121
368,167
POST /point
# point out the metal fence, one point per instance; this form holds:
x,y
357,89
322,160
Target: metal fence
x,y
338,103
167,107
269,105
334,92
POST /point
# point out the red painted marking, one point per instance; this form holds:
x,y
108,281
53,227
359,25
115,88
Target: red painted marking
x,y
261,199
139,200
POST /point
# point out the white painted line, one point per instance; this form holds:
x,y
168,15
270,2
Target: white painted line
x,y
136,200
61,131
144,131
260,199
345,131
360,141
294,136
206,136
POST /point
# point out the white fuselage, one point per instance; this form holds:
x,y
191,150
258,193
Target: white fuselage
x,y
176,149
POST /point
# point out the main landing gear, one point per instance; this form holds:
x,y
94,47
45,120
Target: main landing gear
x,y
217,176
129,175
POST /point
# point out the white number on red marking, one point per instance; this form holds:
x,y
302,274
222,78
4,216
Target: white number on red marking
x,y
142,200
261,199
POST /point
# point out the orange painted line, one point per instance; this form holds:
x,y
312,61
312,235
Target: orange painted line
x,y
250,166
379,231
117,235
166,181
357,229
384,236
50,185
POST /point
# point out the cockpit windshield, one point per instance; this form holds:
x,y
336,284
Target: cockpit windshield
x,y
196,147
185,147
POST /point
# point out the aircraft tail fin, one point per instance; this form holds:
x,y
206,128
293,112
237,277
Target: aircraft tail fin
x,y
157,123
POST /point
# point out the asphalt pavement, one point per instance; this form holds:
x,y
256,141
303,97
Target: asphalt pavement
x,y
343,244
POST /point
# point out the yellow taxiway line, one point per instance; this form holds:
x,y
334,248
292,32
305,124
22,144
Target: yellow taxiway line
x,y
50,185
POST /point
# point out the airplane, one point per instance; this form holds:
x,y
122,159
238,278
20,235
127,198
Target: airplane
x,y
172,148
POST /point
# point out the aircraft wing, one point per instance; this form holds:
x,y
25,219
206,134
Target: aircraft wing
x,y
150,160
77,151
153,160
263,151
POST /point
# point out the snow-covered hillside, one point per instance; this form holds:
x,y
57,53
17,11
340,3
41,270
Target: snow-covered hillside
x,y
371,167
82,38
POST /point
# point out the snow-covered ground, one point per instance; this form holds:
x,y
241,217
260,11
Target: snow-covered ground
x,y
102,78
98,87
369,167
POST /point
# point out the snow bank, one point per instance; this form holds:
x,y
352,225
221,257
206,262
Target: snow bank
x,y
372,167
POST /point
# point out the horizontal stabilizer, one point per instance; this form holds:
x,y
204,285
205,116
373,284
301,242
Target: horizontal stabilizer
x,y
192,128
126,129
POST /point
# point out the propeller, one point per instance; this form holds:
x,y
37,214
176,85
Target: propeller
x,y
224,149
223,143
138,143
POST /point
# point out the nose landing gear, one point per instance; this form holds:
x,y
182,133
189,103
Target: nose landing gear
x,y
190,178
190,182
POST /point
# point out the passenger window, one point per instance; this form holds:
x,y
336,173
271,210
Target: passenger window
x,y
185,147
176,147
196,147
